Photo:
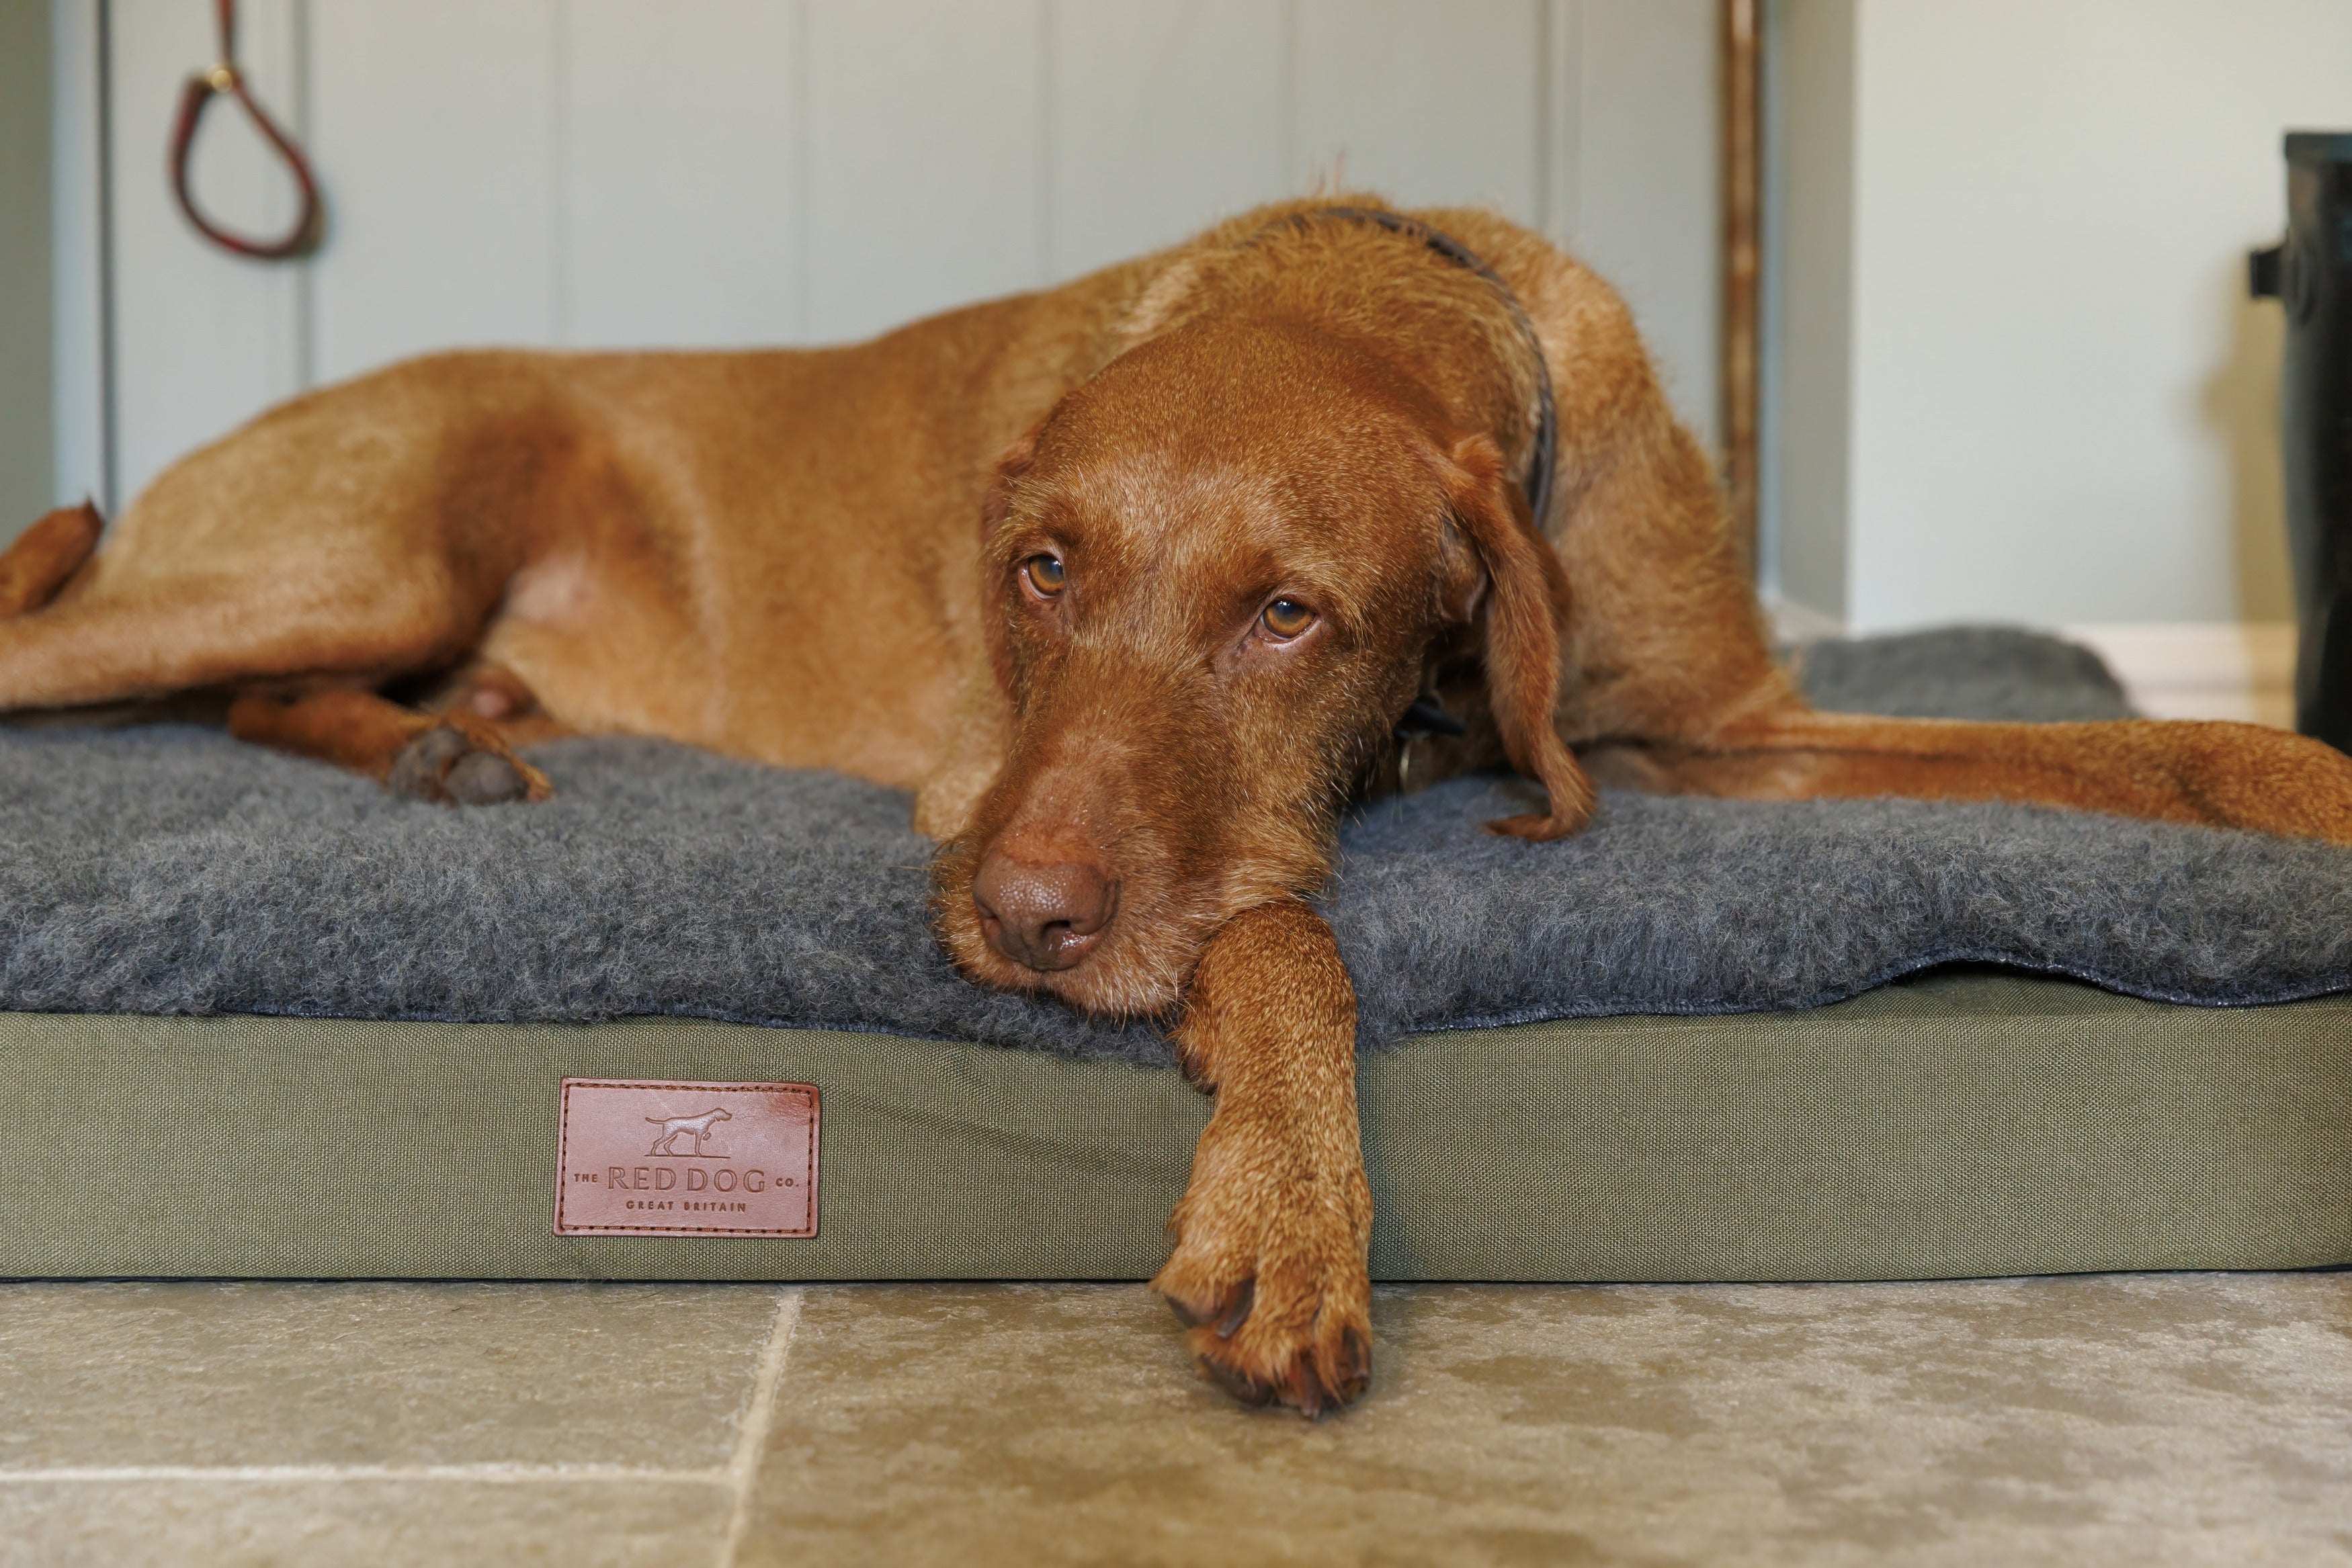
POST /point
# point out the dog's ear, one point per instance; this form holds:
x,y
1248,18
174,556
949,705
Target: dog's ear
x,y
995,506
1526,598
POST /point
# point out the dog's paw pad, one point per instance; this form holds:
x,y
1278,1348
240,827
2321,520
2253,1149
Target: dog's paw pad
x,y
416,771
445,765
484,778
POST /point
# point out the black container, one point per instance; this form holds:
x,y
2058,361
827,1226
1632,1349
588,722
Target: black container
x,y
2311,273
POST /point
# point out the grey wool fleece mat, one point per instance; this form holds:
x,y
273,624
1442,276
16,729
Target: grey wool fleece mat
x,y
170,870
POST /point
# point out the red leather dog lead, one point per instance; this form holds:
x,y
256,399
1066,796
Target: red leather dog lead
x,y
225,77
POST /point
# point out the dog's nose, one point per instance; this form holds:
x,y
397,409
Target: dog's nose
x,y
1044,917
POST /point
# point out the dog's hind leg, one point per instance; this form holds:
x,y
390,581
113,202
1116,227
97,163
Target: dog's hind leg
x,y
44,556
1669,683
325,641
1273,1236
356,620
454,757
2222,775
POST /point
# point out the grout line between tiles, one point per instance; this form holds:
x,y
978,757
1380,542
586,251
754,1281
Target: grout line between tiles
x,y
494,1473
750,1437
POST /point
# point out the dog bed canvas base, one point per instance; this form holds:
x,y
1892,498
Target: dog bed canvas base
x,y
1959,1124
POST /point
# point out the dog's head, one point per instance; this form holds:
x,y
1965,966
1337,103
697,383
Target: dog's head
x,y
1214,575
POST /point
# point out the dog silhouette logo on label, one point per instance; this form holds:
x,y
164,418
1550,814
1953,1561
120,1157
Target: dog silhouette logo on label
x,y
673,1128
725,1159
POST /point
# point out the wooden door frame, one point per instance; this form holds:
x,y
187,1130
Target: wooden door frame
x,y
1741,80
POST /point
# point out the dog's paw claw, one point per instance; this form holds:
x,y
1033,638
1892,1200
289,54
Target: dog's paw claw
x,y
447,767
1237,1382
1238,1313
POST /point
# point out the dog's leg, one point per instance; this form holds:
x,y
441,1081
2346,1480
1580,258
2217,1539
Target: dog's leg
x,y
455,758
34,566
1272,1237
119,642
332,637
2223,775
488,690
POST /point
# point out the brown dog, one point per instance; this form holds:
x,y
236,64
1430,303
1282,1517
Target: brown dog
x,y
1131,581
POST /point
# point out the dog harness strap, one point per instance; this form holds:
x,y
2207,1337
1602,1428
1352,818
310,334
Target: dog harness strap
x,y
1536,484
225,77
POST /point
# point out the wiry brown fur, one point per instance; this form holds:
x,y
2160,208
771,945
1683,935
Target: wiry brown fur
x,y
817,559
1268,1267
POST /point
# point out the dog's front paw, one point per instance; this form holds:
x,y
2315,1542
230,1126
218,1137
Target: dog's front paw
x,y
461,764
1268,1273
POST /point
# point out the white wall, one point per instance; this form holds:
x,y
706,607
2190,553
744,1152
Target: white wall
x,y
1806,360
2060,406
24,363
599,172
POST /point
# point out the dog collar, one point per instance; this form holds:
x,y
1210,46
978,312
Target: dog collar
x,y
1537,483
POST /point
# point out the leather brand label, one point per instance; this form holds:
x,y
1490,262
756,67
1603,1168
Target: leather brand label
x,y
645,1157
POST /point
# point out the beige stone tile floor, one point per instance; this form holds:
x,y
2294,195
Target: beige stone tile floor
x,y
2146,1419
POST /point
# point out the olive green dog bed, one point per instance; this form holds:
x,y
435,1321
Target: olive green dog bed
x,y
1963,1122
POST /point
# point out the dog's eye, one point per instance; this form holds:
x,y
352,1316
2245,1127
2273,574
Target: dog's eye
x,y
1046,574
1286,618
